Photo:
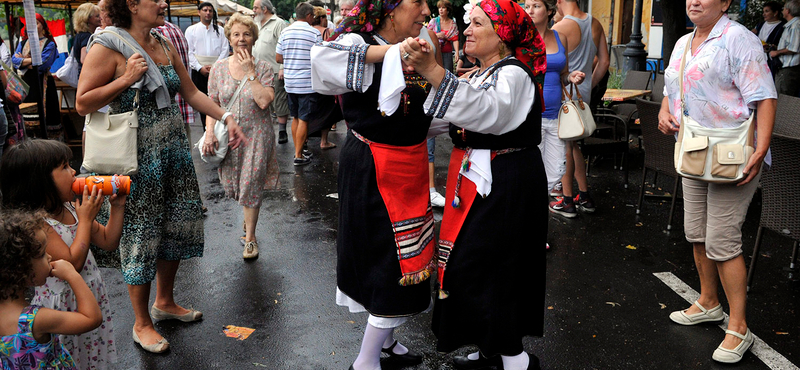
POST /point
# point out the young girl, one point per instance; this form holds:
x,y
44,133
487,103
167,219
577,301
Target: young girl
x,y
25,262
36,175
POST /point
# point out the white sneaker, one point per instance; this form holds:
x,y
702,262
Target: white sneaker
x,y
437,200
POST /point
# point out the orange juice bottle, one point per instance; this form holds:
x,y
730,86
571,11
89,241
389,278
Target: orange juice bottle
x,y
109,184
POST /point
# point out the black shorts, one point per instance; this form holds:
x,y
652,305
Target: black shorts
x,y
302,106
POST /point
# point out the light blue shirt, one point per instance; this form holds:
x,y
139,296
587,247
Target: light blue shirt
x,y
295,45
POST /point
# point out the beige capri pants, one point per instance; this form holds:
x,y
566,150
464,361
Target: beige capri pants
x,y
714,213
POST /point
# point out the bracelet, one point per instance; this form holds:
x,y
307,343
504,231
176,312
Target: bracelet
x,y
225,116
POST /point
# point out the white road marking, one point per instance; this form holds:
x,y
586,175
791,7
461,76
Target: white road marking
x,y
762,350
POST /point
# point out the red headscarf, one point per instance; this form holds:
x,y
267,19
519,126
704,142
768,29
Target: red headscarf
x,y
516,29
39,18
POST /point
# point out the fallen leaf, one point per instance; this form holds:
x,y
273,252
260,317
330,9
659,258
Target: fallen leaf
x,y
256,364
276,301
663,306
279,293
351,322
549,307
594,335
638,224
333,353
614,304
781,333
630,247
333,195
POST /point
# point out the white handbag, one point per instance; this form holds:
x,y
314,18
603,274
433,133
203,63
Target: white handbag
x,y
575,121
111,142
731,148
69,72
221,132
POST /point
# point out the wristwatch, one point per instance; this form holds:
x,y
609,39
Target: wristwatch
x,y
251,78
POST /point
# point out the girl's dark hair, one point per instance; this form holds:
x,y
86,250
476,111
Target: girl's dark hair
x,y
26,179
213,15
19,245
118,12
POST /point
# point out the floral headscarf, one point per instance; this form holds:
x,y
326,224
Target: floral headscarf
x,y
516,29
39,19
365,16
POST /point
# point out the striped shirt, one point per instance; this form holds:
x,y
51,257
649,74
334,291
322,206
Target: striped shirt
x,y
295,46
175,36
790,40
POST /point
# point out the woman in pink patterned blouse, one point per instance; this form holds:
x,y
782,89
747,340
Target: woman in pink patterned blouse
x,y
725,79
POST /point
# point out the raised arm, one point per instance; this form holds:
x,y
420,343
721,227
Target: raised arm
x,y
344,65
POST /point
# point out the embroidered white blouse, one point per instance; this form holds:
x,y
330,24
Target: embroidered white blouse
x,y
329,58
724,78
492,102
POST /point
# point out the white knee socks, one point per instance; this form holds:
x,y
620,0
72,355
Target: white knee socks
x,y
518,362
369,358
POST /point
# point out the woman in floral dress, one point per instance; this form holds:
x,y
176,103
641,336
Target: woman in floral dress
x,y
248,171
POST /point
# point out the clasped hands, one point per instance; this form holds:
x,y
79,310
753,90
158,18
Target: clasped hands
x,y
416,54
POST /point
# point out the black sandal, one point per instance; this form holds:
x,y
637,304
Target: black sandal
x,y
407,359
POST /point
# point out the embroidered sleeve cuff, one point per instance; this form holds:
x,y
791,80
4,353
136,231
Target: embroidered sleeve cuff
x,y
355,67
441,97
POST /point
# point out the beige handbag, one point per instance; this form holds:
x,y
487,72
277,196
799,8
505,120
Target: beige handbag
x,y
731,148
111,147
575,121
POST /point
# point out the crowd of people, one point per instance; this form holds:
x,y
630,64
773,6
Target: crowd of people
x,y
397,83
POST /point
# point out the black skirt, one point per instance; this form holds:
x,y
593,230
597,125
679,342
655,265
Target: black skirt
x,y
495,275
368,269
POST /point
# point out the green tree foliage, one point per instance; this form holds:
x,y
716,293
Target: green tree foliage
x,y
751,16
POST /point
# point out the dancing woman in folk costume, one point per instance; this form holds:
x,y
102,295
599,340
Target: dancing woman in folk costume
x,y
491,271
385,245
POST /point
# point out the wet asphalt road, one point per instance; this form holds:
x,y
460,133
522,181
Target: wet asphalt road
x,y
605,308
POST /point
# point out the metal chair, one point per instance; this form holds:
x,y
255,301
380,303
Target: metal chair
x,y
658,153
781,182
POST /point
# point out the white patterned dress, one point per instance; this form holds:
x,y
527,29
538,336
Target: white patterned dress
x,y
96,349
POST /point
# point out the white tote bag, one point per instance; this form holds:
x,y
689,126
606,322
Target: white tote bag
x,y
221,132
575,121
111,146
69,73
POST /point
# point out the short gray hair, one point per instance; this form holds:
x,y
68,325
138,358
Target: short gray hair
x,y
303,10
267,5
793,6
351,2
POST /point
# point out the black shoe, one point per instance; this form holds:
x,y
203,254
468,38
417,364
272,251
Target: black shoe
x,y
307,153
464,363
407,359
533,362
302,161
282,137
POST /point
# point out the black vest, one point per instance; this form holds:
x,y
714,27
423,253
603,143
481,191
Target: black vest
x,y
407,126
528,134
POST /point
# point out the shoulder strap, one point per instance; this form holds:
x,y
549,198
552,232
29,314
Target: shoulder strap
x,y
162,40
681,76
236,95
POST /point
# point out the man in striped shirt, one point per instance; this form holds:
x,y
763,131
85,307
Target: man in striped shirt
x,y
294,52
